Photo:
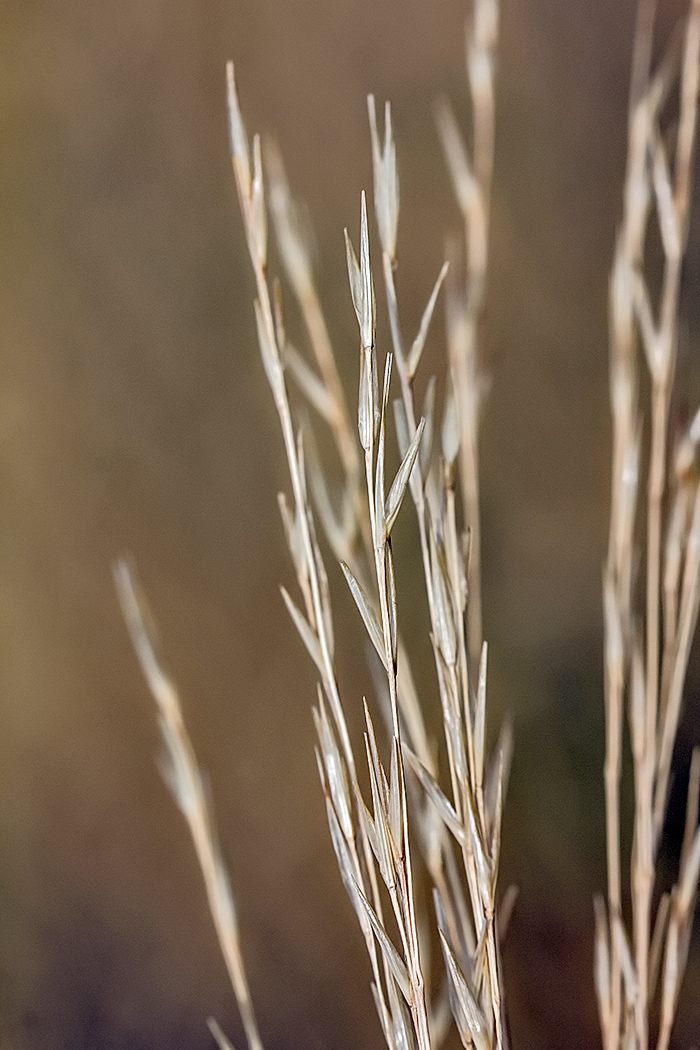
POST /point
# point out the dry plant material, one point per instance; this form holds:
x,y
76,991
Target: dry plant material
x,y
646,650
414,818
376,844
471,179
184,778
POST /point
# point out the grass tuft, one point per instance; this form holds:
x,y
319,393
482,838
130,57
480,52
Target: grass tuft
x,y
419,821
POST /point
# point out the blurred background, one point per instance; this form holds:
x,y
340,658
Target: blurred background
x,y
134,415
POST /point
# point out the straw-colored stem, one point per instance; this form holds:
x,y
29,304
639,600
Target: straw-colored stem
x,y
228,940
686,627
189,790
612,829
454,556
643,868
643,884
465,379
404,912
298,491
657,481
345,440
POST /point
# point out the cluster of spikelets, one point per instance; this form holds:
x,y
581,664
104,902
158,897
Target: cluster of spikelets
x,y
449,823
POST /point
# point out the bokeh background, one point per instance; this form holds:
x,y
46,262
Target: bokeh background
x,y
134,415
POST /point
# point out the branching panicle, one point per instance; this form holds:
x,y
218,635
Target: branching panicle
x,y
449,821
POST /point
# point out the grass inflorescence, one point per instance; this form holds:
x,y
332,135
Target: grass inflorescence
x,y
420,818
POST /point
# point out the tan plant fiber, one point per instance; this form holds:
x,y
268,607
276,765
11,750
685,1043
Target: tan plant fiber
x,y
417,816
645,659
182,774
373,847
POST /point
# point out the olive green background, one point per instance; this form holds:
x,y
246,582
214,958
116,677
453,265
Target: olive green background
x,y
134,416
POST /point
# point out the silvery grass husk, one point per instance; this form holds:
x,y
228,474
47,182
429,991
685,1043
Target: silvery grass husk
x,y
646,650
190,791
362,842
374,849
472,182
445,552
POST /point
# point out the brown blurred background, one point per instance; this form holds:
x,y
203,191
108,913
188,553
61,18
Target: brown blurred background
x,y
134,415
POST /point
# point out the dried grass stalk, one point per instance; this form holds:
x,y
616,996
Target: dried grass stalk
x,y
184,778
373,844
417,816
646,654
